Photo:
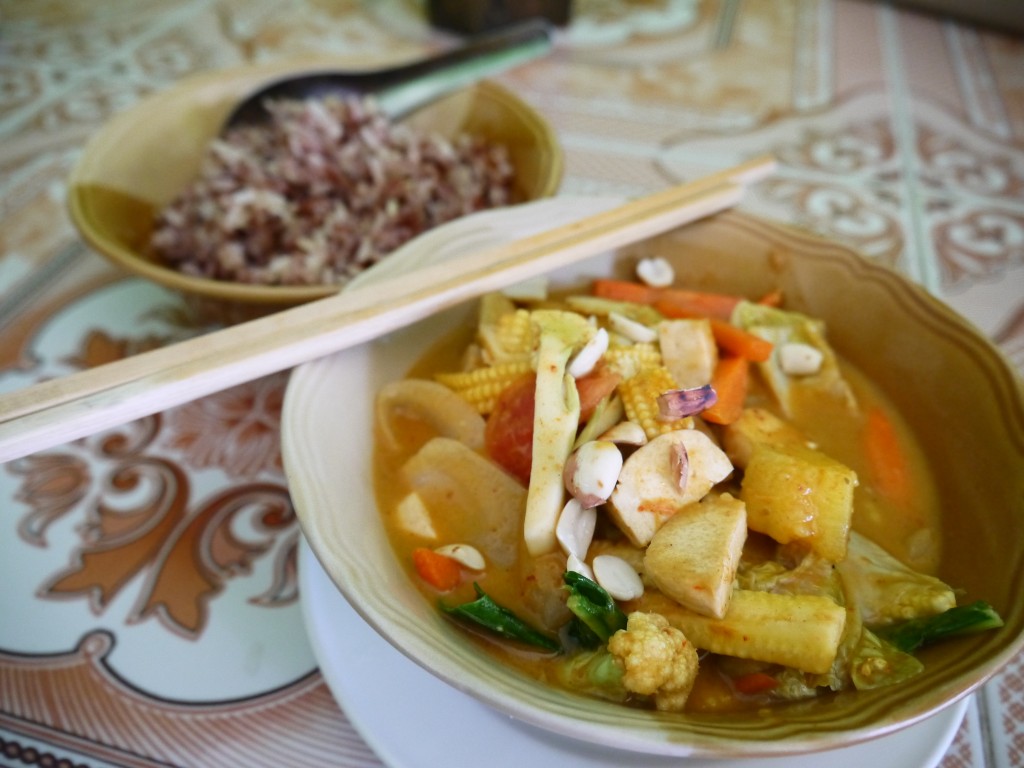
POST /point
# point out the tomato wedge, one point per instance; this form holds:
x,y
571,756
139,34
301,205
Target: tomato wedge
x,y
508,435
593,388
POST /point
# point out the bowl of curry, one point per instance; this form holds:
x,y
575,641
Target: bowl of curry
x,y
732,491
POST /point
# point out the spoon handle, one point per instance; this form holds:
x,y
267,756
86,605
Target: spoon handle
x,y
407,87
402,89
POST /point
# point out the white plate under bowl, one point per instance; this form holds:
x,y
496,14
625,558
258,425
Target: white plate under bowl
x,y
413,720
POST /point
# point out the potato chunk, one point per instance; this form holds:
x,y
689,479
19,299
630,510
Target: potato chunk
x,y
798,494
757,426
693,557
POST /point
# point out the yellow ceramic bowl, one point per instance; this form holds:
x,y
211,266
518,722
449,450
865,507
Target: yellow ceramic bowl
x,y
956,390
142,158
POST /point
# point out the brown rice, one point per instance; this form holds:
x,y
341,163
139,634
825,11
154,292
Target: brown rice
x,y
324,191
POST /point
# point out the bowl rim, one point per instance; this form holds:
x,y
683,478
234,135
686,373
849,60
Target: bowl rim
x,y
227,290
959,683
349,684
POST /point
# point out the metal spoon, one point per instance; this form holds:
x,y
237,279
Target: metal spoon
x,y
403,89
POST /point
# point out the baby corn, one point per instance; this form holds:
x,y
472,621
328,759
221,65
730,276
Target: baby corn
x,y
481,387
511,336
640,399
628,360
800,631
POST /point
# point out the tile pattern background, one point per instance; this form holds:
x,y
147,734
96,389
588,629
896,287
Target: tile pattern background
x,y
898,133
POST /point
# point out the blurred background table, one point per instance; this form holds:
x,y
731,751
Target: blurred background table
x,y
138,627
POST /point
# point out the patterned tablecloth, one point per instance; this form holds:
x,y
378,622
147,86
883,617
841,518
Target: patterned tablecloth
x,y
149,614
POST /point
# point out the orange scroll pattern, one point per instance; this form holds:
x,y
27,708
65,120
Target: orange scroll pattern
x,y
142,521
183,553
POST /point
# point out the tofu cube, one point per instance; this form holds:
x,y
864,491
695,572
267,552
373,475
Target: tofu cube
x,y
688,350
693,557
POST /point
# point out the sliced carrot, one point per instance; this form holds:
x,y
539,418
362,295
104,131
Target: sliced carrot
x,y
887,461
685,302
739,342
730,381
701,303
674,310
755,682
771,299
439,571
624,290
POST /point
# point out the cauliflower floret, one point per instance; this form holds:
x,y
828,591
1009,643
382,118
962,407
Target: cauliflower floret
x,y
658,659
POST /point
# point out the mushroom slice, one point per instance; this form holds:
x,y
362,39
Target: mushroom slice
x,y
650,489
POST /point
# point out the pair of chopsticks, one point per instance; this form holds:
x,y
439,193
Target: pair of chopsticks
x,y
60,410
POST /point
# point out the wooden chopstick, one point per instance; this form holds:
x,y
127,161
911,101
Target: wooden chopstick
x,y
57,411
